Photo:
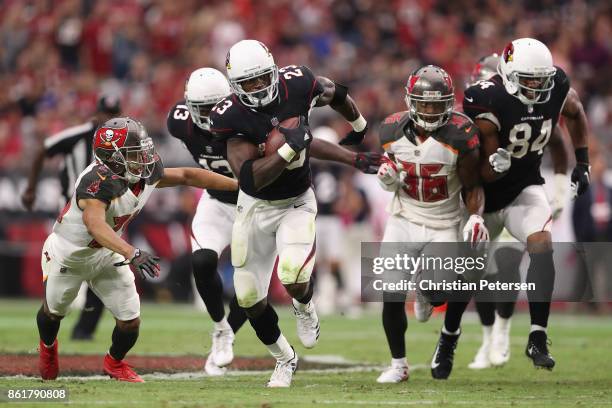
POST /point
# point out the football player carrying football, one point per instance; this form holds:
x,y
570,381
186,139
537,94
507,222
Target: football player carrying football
x,y
516,111
432,156
86,243
495,315
274,230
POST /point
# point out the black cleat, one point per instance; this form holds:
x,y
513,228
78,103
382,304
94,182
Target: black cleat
x,y
442,360
537,350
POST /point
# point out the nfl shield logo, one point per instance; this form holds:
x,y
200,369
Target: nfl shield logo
x,y
274,121
208,149
417,153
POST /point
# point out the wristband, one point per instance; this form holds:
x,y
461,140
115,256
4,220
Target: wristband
x,y
286,152
359,124
582,155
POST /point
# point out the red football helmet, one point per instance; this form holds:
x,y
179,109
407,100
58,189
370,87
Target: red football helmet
x,y
430,97
123,145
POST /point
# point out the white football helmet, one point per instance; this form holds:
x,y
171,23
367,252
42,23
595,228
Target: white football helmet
x,y
526,61
247,61
205,87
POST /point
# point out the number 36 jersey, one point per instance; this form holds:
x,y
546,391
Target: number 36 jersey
x,y
209,153
429,191
523,131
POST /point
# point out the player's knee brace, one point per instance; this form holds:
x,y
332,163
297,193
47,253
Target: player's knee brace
x,y
204,263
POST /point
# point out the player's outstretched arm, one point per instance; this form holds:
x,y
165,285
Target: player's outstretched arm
x,y
336,96
94,218
489,150
576,122
366,162
188,176
29,195
475,230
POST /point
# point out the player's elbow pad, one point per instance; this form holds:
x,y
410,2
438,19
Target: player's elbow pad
x,y
246,179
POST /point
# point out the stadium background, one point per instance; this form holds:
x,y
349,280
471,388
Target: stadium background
x,y
56,57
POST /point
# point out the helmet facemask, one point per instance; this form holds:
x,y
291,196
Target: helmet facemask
x,y
522,83
132,163
258,89
431,110
200,112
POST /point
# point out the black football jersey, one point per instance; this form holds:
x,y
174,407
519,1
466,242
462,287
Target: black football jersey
x,y
207,151
523,131
297,89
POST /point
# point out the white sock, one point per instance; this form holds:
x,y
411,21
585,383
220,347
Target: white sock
x,y
455,333
222,325
486,333
399,362
281,350
504,324
536,327
301,306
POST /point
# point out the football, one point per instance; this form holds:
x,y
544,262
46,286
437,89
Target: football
x,y
276,139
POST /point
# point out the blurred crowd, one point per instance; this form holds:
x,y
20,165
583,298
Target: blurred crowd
x,y
57,56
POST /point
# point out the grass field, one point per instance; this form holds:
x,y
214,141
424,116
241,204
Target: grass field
x,y
581,345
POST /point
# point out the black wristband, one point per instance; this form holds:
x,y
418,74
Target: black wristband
x,y
340,95
582,155
246,179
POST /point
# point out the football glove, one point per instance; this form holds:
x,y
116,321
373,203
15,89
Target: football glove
x,y
388,175
297,138
500,160
560,194
581,178
354,137
475,231
142,264
367,162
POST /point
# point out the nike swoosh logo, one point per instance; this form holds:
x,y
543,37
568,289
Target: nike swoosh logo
x,y
101,176
433,361
468,130
298,205
469,99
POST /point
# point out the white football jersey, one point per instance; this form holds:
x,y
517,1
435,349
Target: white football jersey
x,y
70,239
429,189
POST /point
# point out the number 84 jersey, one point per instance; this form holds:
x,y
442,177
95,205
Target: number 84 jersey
x,y
523,130
429,190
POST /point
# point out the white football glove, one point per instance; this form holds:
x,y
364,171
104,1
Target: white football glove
x,y
559,198
388,175
475,231
501,160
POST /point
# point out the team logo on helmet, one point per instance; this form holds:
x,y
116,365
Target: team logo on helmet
x,y
412,80
108,135
508,52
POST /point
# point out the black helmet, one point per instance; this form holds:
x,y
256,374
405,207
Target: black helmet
x,y
124,146
430,97
485,68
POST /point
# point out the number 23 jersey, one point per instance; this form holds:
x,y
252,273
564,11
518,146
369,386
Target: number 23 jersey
x,y
524,132
429,190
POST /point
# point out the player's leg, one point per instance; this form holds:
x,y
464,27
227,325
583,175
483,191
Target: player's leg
x,y
89,317
61,288
529,220
295,242
116,288
253,257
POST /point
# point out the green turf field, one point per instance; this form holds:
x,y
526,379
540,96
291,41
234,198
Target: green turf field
x,y
581,345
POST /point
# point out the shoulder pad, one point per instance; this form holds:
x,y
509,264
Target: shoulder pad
x,y
392,128
562,82
101,184
178,120
483,99
223,118
461,134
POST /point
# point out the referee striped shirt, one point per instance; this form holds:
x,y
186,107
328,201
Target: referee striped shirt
x,y
76,145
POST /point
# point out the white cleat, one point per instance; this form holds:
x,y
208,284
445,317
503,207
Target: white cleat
x,y
422,308
481,360
283,373
499,353
213,370
307,324
393,375
222,351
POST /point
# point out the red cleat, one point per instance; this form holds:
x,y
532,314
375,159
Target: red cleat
x,y
48,363
120,370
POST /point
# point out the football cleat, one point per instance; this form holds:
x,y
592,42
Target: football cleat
x,y
213,370
48,363
307,324
499,353
537,350
393,375
120,370
442,360
481,359
283,372
222,352
422,308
